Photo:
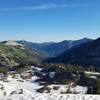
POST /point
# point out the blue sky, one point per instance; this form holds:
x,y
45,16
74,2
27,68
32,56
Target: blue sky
x,y
49,20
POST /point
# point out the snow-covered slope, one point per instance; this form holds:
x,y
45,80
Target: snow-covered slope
x,y
12,91
19,89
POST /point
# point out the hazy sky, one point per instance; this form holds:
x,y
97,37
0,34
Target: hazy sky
x,y
49,20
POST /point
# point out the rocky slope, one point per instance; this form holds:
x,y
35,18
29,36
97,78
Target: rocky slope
x,y
13,54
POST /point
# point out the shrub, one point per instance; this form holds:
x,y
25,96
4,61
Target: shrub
x,y
44,89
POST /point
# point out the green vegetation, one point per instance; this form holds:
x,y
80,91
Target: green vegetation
x,y
97,86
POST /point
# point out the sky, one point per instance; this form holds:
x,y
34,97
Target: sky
x,y
49,20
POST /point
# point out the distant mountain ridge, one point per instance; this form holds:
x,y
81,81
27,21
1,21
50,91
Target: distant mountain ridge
x,y
84,54
53,49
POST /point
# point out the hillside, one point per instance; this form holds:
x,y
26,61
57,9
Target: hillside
x,y
85,54
12,55
53,49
